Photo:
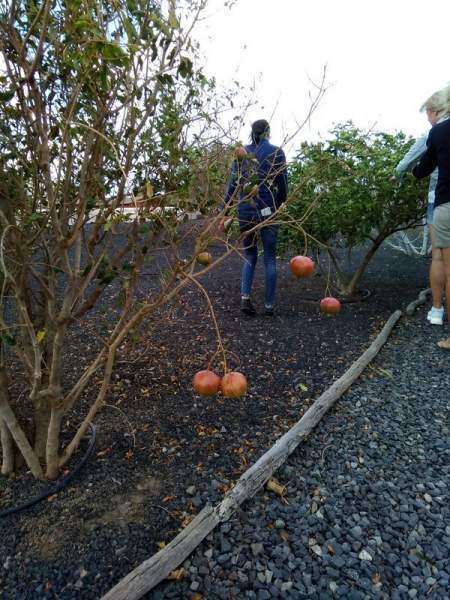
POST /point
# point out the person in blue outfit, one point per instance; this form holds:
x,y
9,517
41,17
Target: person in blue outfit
x,y
436,110
258,184
437,155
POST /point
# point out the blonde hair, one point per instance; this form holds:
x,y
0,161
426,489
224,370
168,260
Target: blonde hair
x,y
439,102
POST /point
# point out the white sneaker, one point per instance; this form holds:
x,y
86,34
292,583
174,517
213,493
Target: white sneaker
x,y
436,316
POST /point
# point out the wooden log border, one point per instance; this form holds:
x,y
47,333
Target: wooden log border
x,y
152,571
420,300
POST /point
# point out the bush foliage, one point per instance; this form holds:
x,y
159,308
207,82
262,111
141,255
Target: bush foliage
x,y
344,195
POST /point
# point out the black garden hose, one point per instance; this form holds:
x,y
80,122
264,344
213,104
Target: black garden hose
x,y
361,297
59,485
364,295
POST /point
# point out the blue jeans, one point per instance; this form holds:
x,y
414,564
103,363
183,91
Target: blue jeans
x,y
269,236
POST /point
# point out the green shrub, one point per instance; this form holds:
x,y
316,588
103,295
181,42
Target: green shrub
x,y
344,195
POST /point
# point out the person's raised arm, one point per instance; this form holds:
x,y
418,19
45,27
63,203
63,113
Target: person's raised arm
x,y
412,156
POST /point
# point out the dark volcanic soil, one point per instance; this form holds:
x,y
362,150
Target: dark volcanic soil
x,y
161,452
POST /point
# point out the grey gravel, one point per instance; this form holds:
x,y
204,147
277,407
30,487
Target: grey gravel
x,y
368,513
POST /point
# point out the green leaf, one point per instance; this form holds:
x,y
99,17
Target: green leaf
x,y
113,52
129,28
85,24
7,95
121,297
40,335
165,79
90,203
86,270
107,278
35,217
185,68
127,266
8,339
149,189
173,21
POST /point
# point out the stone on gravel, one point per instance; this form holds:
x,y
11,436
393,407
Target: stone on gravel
x,y
364,555
257,548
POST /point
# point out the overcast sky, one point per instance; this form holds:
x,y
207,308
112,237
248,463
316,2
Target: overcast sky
x,y
383,59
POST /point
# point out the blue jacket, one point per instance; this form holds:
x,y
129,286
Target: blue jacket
x,y
258,182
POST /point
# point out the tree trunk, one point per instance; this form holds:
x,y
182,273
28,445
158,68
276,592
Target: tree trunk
x,y
7,449
52,449
348,288
9,418
41,420
341,276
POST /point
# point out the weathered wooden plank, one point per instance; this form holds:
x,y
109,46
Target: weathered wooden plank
x,y
149,573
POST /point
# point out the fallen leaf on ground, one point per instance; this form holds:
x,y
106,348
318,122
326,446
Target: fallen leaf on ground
x,y
275,486
187,519
103,452
177,575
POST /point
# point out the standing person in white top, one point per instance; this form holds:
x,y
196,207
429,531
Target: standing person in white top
x,y
437,110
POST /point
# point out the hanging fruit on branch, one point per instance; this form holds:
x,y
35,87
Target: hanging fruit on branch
x,y
204,258
330,306
302,266
240,153
206,383
234,385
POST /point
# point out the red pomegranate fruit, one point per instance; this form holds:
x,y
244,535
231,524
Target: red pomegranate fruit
x,y
330,306
302,266
240,152
206,383
234,385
